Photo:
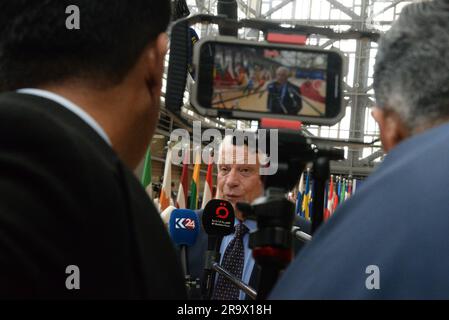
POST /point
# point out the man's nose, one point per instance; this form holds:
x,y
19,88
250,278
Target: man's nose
x,y
233,179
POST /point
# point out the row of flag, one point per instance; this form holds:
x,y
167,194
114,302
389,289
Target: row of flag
x,y
338,190
182,196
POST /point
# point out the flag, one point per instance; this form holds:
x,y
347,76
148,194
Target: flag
x,y
343,191
147,173
164,200
339,189
195,183
207,194
311,196
305,198
354,186
349,190
330,200
335,202
181,201
300,194
326,199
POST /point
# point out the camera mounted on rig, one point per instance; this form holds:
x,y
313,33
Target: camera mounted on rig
x,y
280,82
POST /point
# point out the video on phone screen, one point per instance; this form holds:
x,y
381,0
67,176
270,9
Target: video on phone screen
x,y
274,81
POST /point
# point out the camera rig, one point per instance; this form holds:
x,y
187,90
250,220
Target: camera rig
x,y
272,242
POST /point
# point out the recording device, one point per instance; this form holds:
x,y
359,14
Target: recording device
x,y
254,80
218,221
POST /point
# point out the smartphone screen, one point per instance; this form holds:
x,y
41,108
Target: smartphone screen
x,y
270,79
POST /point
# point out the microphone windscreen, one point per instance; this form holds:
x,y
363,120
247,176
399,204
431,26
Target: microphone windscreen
x,y
218,218
166,214
184,227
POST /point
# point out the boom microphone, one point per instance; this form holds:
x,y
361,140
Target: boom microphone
x,y
184,227
218,221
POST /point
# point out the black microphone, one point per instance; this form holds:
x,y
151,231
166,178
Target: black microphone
x,y
218,221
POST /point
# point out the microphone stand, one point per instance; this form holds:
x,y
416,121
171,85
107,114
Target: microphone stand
x,y
212,256
237,282
301,235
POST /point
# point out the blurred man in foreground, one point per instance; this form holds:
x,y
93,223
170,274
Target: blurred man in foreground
x,y
81,109
390,240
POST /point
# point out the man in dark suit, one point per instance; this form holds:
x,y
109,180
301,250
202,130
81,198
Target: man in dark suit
x,y
82,108
283,96
390,240
238,180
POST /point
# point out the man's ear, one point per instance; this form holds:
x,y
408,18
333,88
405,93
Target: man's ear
x,y
155,57
392,129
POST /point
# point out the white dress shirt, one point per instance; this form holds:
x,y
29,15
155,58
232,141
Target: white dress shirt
x,y
71,107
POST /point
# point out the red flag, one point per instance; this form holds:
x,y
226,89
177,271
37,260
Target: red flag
x,y
181,200
330,200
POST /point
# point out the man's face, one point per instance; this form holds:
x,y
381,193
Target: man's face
x,y
238,177
282,76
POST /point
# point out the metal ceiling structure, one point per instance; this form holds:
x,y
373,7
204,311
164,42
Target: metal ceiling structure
x,y
340,15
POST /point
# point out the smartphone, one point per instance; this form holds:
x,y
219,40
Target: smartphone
x,y
252,80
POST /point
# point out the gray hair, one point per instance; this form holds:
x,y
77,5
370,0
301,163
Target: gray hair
x,y
239,138
283,69
411,75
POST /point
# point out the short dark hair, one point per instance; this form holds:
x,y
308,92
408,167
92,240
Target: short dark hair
x,y
37,48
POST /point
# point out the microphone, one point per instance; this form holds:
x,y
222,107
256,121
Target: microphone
x,y
218,221
184,228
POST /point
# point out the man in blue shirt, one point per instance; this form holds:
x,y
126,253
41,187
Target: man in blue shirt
x,y
283,96
238,180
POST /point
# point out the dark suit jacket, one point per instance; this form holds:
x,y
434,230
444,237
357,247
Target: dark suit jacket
x,y
196,253
278,100
398,221
66,199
